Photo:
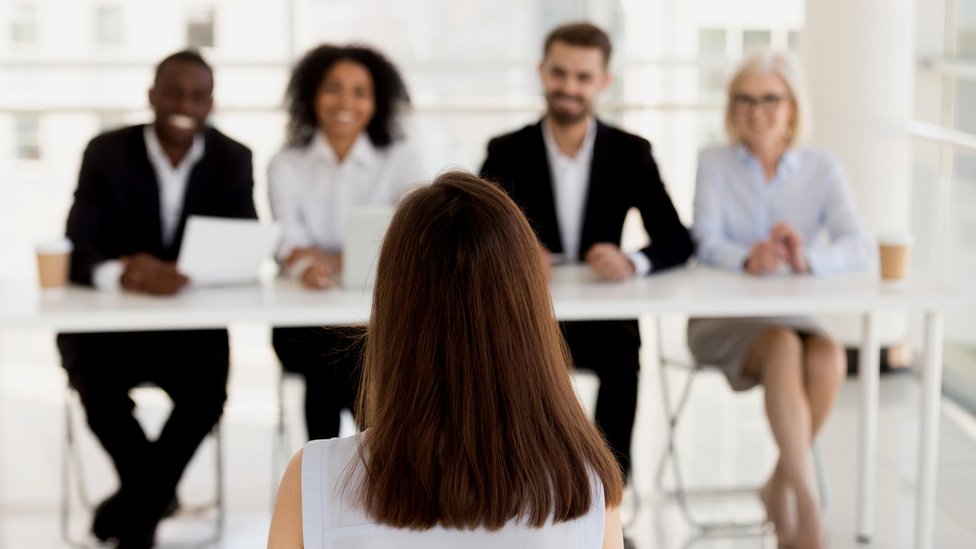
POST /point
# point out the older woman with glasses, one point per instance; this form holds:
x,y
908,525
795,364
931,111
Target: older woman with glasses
x,y
766,205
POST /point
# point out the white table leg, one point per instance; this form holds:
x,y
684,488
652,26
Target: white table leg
x,y
928,438
868,360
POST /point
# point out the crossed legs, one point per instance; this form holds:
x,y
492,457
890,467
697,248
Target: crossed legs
x,y
192,368
801,376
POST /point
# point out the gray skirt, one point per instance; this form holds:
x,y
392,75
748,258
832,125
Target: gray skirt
x,y
725,343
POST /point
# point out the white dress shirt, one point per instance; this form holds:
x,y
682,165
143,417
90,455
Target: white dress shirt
x,y
172,181
312,192
570,184
735,207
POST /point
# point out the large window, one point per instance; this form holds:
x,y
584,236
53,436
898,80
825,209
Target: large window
x,y
27,128
108,25
200,28
23,24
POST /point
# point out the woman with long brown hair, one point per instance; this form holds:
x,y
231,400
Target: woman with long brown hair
x,y
474,434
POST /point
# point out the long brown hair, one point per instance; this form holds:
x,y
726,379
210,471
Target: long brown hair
x,y
466,392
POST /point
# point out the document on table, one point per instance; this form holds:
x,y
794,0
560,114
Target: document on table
x,y
219,250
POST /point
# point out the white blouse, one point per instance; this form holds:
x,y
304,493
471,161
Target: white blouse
x,y
311,191
331,517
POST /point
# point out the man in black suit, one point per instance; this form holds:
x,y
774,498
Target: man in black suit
x,y
576,178
136,188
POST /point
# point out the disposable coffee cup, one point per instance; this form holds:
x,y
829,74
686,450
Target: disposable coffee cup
x,y
894,251
52,264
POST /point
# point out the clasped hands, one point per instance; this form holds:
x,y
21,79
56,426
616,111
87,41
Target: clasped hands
x,y
314,267
785,246
144,272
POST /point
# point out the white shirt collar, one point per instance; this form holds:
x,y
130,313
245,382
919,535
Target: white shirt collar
x,y
158,156
787,163
586,148
363,151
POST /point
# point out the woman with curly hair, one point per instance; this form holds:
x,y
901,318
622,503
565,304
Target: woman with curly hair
x,y
474,435
343,150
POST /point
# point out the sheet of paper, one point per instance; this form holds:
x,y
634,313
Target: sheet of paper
x,y
218,250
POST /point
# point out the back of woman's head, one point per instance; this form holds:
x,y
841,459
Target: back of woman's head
x,y
466,393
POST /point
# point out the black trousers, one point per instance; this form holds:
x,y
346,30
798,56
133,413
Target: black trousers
x,y
330,360
190,366
611,349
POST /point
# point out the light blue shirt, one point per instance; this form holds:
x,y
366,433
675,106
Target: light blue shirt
x,y
735,207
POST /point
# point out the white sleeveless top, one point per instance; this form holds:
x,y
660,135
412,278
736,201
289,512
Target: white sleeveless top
x,y
331,519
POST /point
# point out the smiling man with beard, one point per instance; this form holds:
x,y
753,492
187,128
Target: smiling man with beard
x,y
136,188
576,178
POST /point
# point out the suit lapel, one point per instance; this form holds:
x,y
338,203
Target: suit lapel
x,y
601,169
145,189
545,199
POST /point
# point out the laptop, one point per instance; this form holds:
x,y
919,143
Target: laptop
x,y
365,228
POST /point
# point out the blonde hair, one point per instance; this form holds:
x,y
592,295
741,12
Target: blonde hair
x,y
784,66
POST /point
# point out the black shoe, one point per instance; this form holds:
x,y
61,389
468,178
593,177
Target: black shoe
x,y
114,514
110,517
142,537
140,531
172,507
629,543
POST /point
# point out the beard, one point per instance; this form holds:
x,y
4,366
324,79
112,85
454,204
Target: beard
x,y
563,118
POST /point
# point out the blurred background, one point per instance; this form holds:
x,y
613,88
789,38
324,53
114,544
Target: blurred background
x,y
70,69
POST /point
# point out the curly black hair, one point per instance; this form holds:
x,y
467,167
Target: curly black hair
x,y
389,92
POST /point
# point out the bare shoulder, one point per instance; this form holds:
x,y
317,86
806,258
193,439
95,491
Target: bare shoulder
x,y
613,535
286,522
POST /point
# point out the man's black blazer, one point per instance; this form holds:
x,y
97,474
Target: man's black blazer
x,y
116,209
623,175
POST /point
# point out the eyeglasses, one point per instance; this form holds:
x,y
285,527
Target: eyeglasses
x,y
766,102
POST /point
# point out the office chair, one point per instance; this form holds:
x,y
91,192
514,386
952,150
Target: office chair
x,y
684,495
72,465
281,450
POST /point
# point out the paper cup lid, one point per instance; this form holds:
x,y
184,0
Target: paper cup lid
x,y
895,239
60,246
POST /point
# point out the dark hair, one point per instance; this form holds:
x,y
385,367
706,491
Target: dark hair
x,y
185,56
582,34
389,92
471,414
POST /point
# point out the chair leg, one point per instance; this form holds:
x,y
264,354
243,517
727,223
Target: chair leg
x,y
72,465
821,472
66,463
672,415
280,443
219,484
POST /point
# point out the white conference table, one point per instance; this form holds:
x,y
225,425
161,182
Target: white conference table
x,y
577,295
